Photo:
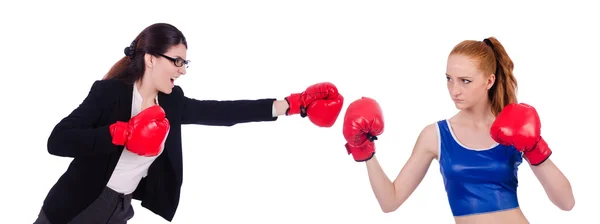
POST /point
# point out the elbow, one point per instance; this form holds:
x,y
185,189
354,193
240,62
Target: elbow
x,y
51,144
388,208
568,206
564,201
564,204
54,145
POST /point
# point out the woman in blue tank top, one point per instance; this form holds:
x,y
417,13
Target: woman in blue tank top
x,y
479,149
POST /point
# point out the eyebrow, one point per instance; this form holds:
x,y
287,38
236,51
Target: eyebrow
x,y
174,56
462,77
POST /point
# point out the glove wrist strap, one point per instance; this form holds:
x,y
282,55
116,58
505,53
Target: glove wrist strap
x,y
118,131
295,108
539,154
361,154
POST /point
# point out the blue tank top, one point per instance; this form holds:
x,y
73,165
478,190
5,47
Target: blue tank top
x,y
477,181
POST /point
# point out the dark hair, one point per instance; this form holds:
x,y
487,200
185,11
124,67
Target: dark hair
x,y
493,59
154,40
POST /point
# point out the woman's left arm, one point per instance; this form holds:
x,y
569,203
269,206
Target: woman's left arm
x,y
518,125
280,107
230,112
321,102
556,185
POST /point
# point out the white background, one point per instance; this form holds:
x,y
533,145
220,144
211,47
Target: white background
x,y
290,171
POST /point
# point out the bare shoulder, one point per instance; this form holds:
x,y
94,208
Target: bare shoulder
x,y
427,142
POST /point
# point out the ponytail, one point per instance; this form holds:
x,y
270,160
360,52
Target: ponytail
x,y
117,68
127,69
131,67
504,89
154,40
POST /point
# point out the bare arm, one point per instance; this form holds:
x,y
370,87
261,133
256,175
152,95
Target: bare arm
x,y
280,106
391,195
555,184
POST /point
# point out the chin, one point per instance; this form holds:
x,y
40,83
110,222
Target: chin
x,y
461,106
166,90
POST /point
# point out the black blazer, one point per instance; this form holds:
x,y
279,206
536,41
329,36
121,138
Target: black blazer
x,y
84,135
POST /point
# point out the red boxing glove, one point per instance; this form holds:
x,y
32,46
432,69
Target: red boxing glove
x,y
144,134
363,122
321,102
519,125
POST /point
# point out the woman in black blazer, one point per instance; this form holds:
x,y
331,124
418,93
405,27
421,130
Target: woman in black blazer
x,y
104,176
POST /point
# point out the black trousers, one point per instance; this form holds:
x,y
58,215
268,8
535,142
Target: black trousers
x,y
110,207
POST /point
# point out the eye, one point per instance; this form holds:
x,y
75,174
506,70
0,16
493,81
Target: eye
x,y
179,62
447,78
465,81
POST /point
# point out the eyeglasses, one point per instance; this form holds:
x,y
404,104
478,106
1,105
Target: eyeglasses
x,y
177,61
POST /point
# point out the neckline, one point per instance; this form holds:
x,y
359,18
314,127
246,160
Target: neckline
x,y
138,95
463,145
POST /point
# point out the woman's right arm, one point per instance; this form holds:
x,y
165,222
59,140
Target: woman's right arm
x,y
78,134
391,195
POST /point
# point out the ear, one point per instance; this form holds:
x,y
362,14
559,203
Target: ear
x,y
490,81
149,60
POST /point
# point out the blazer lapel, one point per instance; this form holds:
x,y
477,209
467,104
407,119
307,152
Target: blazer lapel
x,y
123,108
166,102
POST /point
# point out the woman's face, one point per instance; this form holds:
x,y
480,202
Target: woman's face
x,y
467,85
166,68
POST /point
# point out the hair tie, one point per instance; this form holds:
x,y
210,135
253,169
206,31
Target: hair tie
x,y
488,42
130,51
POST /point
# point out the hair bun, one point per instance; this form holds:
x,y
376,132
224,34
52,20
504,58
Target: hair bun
x,y
127,51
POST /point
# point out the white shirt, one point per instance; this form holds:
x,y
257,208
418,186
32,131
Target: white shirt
x,y
131,168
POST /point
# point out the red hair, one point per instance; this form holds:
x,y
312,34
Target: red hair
x,y
492,59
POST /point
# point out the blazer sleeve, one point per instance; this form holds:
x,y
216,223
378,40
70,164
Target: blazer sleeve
x,y
227,112
78,134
